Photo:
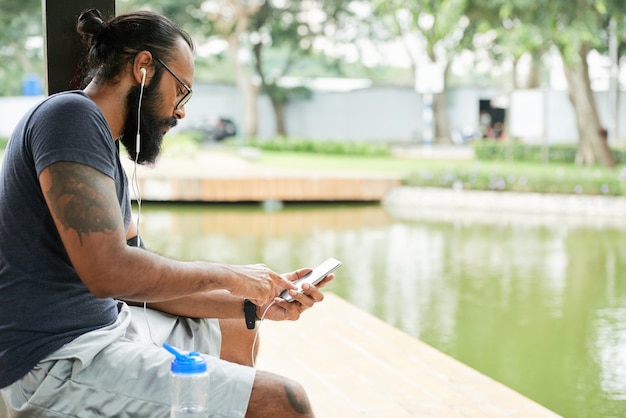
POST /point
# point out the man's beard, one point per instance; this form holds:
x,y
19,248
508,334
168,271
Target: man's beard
x,y
152,126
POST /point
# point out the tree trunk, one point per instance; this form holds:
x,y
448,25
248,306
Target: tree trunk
x,y
249,92
533,81
231,27
251,109
279,114
441,118
593,147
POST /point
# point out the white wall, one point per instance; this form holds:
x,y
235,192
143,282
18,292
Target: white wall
x,y
381,114
542,115
12,109
374,114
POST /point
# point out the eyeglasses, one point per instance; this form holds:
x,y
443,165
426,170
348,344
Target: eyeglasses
x,y
187,95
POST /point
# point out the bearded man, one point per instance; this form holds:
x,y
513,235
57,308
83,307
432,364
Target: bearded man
x,y
75,340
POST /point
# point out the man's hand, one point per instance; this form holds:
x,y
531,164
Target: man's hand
x,y
282,310
258,283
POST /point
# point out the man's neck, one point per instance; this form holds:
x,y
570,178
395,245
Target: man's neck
x,y
112,103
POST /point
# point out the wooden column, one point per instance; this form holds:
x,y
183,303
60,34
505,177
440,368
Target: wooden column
x,y
62,47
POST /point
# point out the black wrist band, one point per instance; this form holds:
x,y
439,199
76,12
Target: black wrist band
x,y
136,240
249,311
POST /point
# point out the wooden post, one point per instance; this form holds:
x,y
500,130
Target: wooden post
x,y
62,46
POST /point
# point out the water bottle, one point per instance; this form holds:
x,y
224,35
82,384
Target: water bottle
x,y
190,384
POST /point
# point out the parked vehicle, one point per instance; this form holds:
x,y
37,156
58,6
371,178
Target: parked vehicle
x,y
220,129
461,136
215,129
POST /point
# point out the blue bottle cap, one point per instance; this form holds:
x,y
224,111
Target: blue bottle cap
x,y
190,363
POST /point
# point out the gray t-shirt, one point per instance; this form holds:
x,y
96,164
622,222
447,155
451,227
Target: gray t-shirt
x,y
43,302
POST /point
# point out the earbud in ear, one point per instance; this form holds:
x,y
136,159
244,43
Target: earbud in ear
x,y
143,76
143,82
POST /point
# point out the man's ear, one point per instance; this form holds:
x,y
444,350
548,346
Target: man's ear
x,y
143,60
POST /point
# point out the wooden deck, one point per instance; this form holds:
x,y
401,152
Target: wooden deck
x,y
355,365
219,177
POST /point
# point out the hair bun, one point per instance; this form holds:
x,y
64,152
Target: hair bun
x,y
90,26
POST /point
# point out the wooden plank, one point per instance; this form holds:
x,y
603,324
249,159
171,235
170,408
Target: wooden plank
x,y
217,177
355,365
258,189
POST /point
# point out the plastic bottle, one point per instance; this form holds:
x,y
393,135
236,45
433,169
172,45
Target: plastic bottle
x,y
190,384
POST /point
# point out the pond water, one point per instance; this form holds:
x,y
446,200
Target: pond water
x,y
540,308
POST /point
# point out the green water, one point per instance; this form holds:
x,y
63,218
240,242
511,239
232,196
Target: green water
x,y
541,309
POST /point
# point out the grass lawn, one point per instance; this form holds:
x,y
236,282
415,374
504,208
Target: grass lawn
x,y
309,161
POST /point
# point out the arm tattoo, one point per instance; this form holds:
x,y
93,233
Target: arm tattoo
x,y
297,399
78,199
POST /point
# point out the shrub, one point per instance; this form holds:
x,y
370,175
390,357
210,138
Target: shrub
x,y
522,177
562,153
489,150
295,144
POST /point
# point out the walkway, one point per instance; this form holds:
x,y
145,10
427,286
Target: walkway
x,y
489,207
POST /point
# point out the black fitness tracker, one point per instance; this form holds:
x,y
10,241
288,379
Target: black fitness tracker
x,y
249,311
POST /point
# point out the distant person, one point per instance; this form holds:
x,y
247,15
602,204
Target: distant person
x,y
71,262
485,123
498,130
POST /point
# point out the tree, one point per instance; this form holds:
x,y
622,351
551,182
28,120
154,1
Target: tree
x,y
290,28
231,20
510,40
287,29
444,29
575,35
225,19
572,27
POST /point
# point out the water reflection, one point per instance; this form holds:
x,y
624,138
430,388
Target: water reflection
x,y
541,308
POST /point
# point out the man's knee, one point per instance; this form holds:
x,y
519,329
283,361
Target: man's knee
x,y
277,396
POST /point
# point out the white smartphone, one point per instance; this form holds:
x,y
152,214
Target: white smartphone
x,y
314,277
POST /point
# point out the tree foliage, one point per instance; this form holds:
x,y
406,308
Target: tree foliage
x,y
279,35
574,28
290,29
443,28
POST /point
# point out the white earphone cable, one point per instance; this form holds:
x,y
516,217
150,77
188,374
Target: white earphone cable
x,y
137,191
256,332
135,181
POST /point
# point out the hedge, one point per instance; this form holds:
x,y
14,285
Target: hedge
x,y
295,144
489,150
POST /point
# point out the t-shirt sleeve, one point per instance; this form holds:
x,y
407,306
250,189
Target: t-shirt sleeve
x,y
71,128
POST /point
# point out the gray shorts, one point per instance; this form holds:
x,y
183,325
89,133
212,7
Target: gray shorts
x,y
119,371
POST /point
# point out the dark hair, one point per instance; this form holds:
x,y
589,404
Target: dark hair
x,y
112,45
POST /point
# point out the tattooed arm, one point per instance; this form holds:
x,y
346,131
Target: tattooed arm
x,y
221,304
84,206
